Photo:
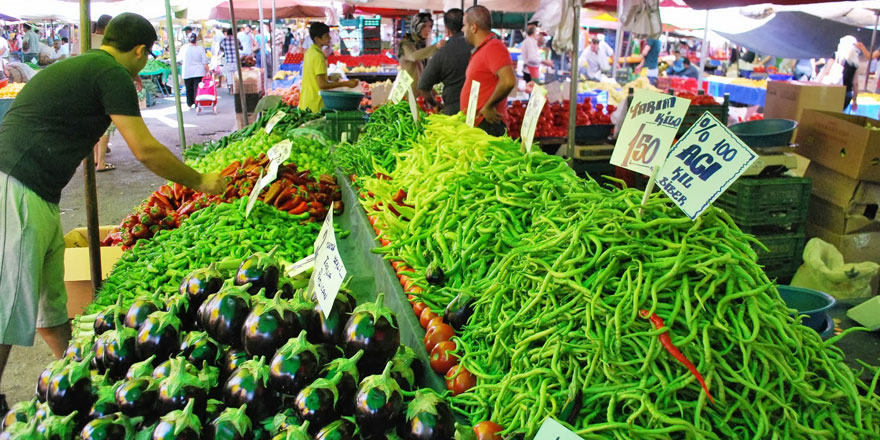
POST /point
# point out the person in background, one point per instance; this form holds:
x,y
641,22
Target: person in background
x,y
595,60
650,55
490,66
60,49
314,76
195,67
848,57
72,102
4,49
449,64
288,39
531,56
30,45
230,63
98,30
689,70
102,148
413,51
246,40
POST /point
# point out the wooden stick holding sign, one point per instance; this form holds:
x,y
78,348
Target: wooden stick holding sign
x,y
530,120
402,83
472,103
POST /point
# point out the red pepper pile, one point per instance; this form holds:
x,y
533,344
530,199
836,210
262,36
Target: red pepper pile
x,y
295,192
553,121
293,58
361,60
698,99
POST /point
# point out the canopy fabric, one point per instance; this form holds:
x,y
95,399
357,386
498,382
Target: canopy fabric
x,y
717,4
249,10
442,5
384,12
611,5
784,36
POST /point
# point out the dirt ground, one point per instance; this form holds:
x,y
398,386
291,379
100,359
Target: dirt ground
x,y
119,191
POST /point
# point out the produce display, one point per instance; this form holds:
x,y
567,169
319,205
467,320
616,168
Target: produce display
x,y
293,58
308,152
572,300
154,65
553,121
362,60
11,90
616,93
289,96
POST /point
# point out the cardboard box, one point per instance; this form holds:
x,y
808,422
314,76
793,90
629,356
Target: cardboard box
x,y
788,100
841,204
77,273
841,142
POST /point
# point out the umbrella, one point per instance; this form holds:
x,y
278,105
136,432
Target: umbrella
x,y
248,10
4,17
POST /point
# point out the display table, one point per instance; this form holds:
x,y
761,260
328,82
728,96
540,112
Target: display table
x,y
372,77
871,110
739,94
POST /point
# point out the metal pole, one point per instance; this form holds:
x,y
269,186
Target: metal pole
x,y
241,96
91,187
618,40
262,44
174,75
871,52
572,107
703,52
275,50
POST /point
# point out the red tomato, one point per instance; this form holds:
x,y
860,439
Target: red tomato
x,y
487,430
459,380
435,321
437,334
426,316
442,357
418,307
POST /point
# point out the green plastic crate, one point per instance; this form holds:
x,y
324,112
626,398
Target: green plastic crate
x,y
776,201
350,122
782,245
694,113
781,269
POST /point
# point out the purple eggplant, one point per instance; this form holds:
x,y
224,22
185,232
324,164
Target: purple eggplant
x,y
379,403
231,424
200,349
137,397
348,384
108,318
138,312
182,385
42,389
260,270
231,360
119,351
179,425
99,347
113,426
196,287
105,402
76,350
248,385
341,429
159,336
316,403
331,329
372,328
70,389
296,364
269,325
224,313
428,417
57,427
20,412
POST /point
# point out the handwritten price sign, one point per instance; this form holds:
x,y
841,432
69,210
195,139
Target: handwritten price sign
x,y
553,430
649,129
703,164
329,271
402,83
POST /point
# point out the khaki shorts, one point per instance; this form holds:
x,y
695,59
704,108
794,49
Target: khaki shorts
x,y
32,293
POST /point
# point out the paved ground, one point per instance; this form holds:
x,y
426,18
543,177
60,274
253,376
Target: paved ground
x,y
119,191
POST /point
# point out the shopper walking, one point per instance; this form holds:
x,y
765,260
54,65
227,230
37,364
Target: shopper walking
x,y
531,56
314,76
195,67
848,58
449,65
490,66
413,51
51,126
230,63
246,40
650,57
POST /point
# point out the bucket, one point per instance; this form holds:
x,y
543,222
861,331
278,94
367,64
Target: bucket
x,y
813,304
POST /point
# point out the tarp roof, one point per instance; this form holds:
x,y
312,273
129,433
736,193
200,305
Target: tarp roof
x,y
717,4
249,10
785,35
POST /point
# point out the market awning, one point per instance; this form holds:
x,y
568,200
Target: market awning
x,y
249,10
717,4
797,35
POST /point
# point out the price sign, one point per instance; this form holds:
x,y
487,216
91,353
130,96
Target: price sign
x,y
472,103
329,271
255,193
530,119
648,130
301,266
274,120
402,83
703,164
277,155
412,106
553,430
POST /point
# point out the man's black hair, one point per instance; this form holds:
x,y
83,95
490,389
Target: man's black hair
x,y
187,28
480,16
64,40
129,30
318,30
102,22
227,31
453,19
686,61
531,31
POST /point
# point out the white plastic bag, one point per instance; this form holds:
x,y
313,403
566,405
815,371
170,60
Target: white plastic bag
x,y
824,270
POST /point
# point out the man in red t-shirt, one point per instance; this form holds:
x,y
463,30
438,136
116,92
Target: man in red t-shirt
x,y
490,65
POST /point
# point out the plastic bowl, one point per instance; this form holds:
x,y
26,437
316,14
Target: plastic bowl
x,y
338,100
808,302
765,132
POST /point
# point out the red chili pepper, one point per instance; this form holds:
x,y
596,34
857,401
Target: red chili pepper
x,y
400,197
299,209
673,350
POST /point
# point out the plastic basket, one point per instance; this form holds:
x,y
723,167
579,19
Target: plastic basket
x,y
694,113
351,22
349,122
372,22
782,245
780,201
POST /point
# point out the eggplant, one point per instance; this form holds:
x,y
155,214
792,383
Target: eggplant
x,y
105,402
159,336
200,349
342,429
20,412
269,325
224,313
434,275
330,329
404,359
137,397
143,368
428,417
231,424
57,427
182,386
115,426
138,312
247,385
42,411
76,350
20,431
70,389
231,360
379,403
295,433
42,389
316,403
196,287
98,350
260,271
108,318
372,328
296,364
348,385
119,351
459,310
179,425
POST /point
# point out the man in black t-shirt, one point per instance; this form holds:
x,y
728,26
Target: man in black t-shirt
x,y
50,128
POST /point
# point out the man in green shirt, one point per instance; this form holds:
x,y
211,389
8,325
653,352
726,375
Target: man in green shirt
x,y
31,45
50,128
314,76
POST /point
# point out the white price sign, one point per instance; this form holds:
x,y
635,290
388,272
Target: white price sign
x,y
274,120
703,164
255,193
329,271
277,155
649,129
402,83
472,103
301,266
553,430
530,120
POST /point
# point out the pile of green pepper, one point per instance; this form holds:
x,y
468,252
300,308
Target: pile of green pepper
x,y
604,313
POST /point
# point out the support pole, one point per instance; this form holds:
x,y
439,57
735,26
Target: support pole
x,y
871,51
572,103
174,75
704,51
238,65
618,40
275,50
91,187
262,44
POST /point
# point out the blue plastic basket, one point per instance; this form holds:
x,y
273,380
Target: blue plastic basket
x,y
292,68
779,76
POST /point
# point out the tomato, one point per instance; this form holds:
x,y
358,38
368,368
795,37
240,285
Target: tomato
x,y
434,322
436,334
442,357
459,380
487,430
418,307
426,316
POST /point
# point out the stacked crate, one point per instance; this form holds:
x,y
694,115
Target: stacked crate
x,y
774,210
372,36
